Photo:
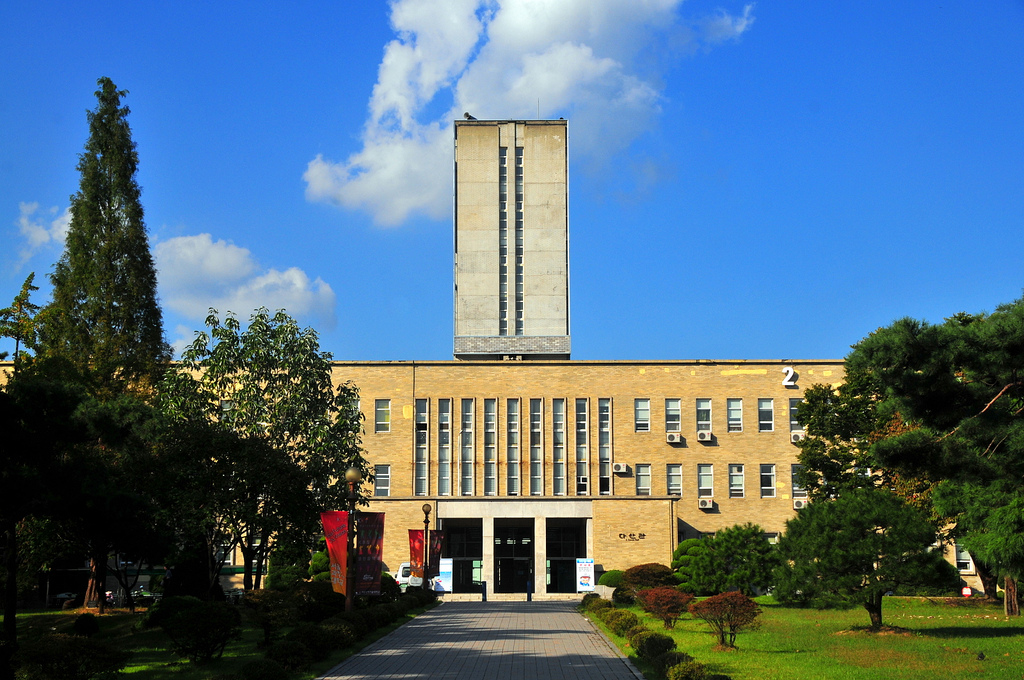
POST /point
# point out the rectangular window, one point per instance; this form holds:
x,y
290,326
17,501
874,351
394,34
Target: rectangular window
x,y
705,480
468,454
767,480
674,479
736,481
444,447
558,447
794,425
673,415
963,558
798,491
643,479
512,447
421,463
536,447
703,415
582,448
604,445
642,415
520,241
382,415
734,415
765,415
381,480
502,240
490,447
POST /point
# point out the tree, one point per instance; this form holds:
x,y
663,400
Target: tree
x,y
665,603
736,558
271,383
854,549
960,385
728,614
104,321
683,560
18,321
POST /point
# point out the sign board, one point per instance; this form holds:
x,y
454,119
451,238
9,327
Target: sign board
x,y
584,575
966,592
443,582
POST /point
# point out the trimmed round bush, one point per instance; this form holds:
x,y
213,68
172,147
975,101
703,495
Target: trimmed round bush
x,y
650,645
69,657
603,614
588,598
598,605
356,619
86,625
639,628
689,670
621,620
318,639
202,632
650,575
263,669
672,658
342,633
622,595
612,579
318,601
291,654
167,608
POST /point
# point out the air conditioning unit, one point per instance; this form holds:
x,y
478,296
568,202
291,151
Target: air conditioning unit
x,y
705,503
620,468
673,437
797,436
799,503
705,436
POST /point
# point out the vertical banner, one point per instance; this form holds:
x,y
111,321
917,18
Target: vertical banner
x,y
443,582
434,567
369,549
584,575
336,531
416,556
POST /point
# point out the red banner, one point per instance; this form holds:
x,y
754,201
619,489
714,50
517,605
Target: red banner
x,y
434,566
336,532
369,549
416,553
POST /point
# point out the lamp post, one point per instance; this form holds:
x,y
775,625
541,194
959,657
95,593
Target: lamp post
x,y
353,476
426,545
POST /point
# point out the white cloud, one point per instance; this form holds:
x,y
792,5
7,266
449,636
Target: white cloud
x,y
588,60
196,273
37,232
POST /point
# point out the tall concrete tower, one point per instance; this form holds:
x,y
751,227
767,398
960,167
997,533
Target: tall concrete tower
x,y
511,239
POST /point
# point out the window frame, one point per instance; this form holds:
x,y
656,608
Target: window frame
x,y
381,425
705,470
765,425
704,425
771,490
673,414
674,471
734,414
737,471
641,422
642,472
378,487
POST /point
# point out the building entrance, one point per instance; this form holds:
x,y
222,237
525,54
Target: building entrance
x,y
565,543
513,555
464,544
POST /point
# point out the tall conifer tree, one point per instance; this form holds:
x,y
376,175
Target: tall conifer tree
x,y
104,319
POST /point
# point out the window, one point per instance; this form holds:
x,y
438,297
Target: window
x,y
381,480
734,414
519,241
794,426
490,447
765,415
772,537
582,448
444,447
798,491
673,416
705,480
382,415
468,455
512,447
422,456
642,415
558,447
963,558
674,479
604,445
503,240
703,415
643,479
536,447
736,481
767,480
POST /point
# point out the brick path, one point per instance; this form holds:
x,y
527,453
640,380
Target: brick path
x,y
485,640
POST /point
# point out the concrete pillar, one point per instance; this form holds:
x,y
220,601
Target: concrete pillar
x,y
540,554
487,527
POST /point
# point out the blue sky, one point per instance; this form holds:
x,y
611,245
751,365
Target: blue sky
x,y
747,181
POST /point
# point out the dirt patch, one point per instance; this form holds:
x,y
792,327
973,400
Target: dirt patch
x,y
884,630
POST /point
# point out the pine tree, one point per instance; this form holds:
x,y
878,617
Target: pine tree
x,y
104,319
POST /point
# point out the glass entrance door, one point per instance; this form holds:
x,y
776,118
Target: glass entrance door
x,y
513,556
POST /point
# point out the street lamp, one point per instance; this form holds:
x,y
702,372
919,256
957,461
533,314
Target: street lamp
x,y
426,544
353,476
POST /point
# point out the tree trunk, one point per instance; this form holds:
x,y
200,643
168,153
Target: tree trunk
x,y
1011,607
247,555
874,606
989,581
96,590
10,632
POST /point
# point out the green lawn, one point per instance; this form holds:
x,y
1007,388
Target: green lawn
x,y
937,641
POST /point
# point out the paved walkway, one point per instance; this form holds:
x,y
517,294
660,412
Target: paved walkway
x,y
484,640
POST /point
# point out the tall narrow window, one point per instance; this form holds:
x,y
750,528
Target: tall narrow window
x,y
558,447
643,479
519,241
765,415
444,447
673,415
674,479
767,480
468,454
642,415
381,480
963,558
421,463
512,447
794,424
705,480
502,240
490,447
382,415
798,490
734,415
736,486
536,447
703,415
604,445
582,448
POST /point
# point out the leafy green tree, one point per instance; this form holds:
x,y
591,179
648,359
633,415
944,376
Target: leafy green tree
x,y
683,559
18,321
270,382
104,321
736,558
854,549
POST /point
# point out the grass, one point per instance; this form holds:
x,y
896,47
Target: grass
x,y
928,639
153,660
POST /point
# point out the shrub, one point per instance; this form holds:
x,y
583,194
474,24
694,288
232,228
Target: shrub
x,y
665,603
650,645
612,579
318,640
200,633
390,591
342,633
291,654
620,620
650,575
689,670
356,619
598,605
263,669
683,562
317,601
167,608
587,599
727,614
639,628
663,662
69,657
622,595
86,625
270,611
603,614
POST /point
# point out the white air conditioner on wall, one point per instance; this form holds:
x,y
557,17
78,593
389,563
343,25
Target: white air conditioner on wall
x,y
673,437
705,503
796,436
799,503
620,468
704,436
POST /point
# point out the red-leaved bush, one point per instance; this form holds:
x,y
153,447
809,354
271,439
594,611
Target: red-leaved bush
x,y
665,603
727,614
